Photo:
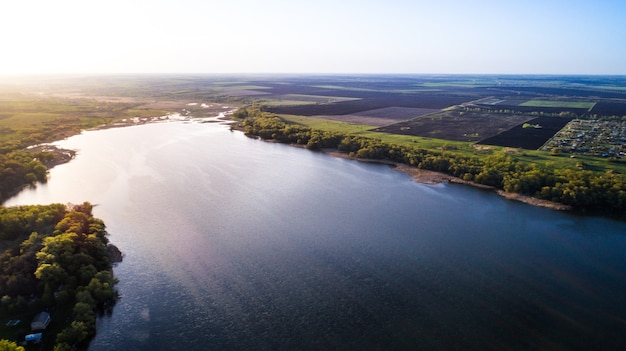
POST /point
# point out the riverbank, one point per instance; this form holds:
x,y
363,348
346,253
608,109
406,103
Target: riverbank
x,y
419,175
431,177
62,156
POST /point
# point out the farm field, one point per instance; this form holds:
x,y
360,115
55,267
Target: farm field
x,y
457,125
608,108
302,99
558,103
531,135
28,119
479,109
382,116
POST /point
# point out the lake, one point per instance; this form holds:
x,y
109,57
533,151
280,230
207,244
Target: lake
x,y
232,243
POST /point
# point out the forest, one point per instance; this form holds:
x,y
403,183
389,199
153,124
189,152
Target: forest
x,y
586,191
55,258
19,168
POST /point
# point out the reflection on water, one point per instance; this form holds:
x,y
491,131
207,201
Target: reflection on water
x,y
233,243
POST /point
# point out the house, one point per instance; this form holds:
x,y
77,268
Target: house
x,y
34,338
40,321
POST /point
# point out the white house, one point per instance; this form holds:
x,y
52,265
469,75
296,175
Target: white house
x,y
40,321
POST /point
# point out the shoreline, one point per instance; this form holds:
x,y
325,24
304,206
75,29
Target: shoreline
x,y
428,177
62,156
418,175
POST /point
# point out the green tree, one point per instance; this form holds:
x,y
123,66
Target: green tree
x,y
6,345
73,335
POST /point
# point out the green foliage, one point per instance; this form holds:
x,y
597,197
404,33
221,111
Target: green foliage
x,y
559,103
6,345
72,336
27,120
20,168
65,262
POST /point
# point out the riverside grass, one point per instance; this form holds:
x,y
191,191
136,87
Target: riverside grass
x,y
542,158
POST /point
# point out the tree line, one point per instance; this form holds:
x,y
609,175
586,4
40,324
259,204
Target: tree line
x,y
584,190
20,168
63,262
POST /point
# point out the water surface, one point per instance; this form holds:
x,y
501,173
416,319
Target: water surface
x,y
234,243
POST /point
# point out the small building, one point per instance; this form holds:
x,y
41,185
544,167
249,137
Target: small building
x,y
34,338
40,321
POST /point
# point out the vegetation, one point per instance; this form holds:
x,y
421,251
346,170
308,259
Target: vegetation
x,y
6,345
20,168
585,190
557,103
55,257
27,120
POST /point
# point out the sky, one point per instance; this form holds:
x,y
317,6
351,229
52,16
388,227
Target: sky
x,y
316,36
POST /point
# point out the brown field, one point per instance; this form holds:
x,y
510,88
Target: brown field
x,y
529,138
396,113
457,125
382,116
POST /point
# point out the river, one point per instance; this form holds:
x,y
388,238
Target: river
x,y
232,243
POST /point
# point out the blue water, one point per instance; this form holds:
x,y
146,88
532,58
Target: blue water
x,y
234,243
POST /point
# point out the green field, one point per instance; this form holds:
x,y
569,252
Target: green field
x,y
44,118
328,125
397,139
556,103
460,148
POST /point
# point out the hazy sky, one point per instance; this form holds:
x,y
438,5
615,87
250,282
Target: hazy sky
x,y
316,36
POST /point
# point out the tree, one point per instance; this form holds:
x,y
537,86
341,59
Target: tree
x,y
6,345
66,247
73,335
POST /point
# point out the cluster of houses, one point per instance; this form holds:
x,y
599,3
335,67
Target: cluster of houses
x,y
591,137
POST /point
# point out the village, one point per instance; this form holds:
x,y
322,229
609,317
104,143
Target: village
x,y
590,137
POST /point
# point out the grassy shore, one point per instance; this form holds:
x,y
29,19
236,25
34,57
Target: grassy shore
x,y
538,157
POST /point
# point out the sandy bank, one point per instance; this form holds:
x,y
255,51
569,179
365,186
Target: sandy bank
x,y
431,177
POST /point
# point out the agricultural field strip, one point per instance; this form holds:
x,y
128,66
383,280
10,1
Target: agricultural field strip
x,y
239,90
554,103
300,99
358,120
460,84
399,91
396,113
241,93
328,124
608,87
533,138
244,87
321,98
456,125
